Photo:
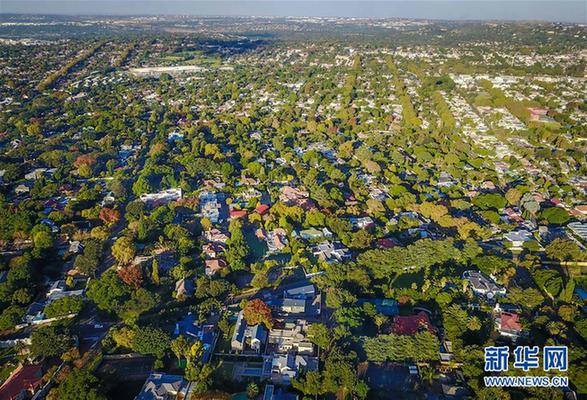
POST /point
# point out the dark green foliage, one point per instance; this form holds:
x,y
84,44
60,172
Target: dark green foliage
x,y
64,306
50,341
150,340
80,384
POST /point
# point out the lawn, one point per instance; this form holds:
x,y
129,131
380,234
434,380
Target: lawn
x,y
405,281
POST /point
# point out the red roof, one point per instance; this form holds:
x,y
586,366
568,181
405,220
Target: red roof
x,y
510,322
262,209
24,378
237,213
412,324
386,243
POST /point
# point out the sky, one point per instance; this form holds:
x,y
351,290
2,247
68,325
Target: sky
x,y
548,10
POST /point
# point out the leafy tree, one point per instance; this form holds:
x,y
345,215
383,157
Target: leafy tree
x,y
49,341
64,306
491,265
563,250
141,300
549,280
257,312
513,196
319,335
108,292
80,384
123,250
42,240
555,215
150,340
309,383
109,216
87,262
530,297
131,275
238,248
252,390
340,378
179,346
124,336
490,201
11,316
155,271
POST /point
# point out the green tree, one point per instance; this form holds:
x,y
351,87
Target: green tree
x,y
123,250
563,250
11,316
555,215
150,340
80,384
252,390
64,306
49,341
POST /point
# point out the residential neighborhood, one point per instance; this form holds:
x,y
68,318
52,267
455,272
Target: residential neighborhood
x,y
270,208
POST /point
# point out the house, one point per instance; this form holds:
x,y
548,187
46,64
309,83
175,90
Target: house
x,y
412,324
518,238
165,387
285,367
290,337
174,136
237,214
300,291
38,173
445,351
184,288
508,325
296,197
23,382
292,306
213,249
276,240
211,205
579,230
362,222
248,338
22,188
162,197
387,243
214,265
109,199
35,312
445,180
581,209
539,115
58,290
205,333
331,252
482,285
262,209
313,233
250,193
75,247
166,259
215,236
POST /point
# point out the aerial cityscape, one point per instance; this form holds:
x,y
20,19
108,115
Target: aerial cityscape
x,y
292,208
